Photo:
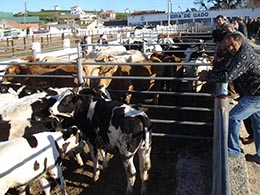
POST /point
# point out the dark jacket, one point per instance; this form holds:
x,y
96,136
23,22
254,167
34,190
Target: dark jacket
x,y
83,44
243,69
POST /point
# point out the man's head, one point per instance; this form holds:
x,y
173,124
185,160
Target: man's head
x,y
220,20
230,27
233,42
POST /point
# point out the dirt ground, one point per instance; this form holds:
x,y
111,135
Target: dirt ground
x,y
163,178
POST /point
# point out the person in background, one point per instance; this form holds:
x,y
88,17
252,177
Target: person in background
x,y
235,23
242,27
230,27
102,40
84,47
244,70
220,22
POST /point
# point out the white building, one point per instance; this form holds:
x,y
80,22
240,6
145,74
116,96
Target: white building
x,y
76,10
205,17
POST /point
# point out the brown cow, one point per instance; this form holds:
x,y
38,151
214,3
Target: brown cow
x,y
40,70
130,84
45,69
171,71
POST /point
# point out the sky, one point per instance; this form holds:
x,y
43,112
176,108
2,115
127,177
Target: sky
x,y
92,5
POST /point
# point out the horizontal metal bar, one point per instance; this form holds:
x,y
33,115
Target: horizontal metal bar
x,y
165,93
181,122
40,76
144,78
181,136
174,107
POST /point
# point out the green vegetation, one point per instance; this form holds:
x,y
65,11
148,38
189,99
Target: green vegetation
x,y
50,15
59,15
122,16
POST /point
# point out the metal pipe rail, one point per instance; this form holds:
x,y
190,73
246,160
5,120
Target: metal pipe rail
x,y
220,163
181,136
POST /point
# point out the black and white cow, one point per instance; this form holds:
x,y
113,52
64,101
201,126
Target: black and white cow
x,y
110,125
19,89
36,157
30,114
25,114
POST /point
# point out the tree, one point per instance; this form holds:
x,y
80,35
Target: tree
x,y
221,4
253,3
202,4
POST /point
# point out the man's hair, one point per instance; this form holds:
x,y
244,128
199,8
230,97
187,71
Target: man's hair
x,y
238,36
220,16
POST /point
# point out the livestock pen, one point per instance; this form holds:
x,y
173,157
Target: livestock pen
x,y
180,115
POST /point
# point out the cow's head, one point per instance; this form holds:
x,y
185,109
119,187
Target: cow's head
x,y
71,100
73,138
105,71
30,59
64,104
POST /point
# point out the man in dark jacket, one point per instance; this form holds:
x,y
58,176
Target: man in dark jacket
x,y
244,70
84,46
242,27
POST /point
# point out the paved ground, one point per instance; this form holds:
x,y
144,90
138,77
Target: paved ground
x,y
253,169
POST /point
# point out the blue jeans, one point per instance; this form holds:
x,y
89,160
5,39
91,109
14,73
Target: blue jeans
x,y
247,106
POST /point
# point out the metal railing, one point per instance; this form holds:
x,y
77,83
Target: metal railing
x,y
220,170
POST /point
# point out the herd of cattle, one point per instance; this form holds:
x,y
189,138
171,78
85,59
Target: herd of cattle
x,y
44,118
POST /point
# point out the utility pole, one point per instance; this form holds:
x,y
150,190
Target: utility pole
x,y
25,13
169,18
169,12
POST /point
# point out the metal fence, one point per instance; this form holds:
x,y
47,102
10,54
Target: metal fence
x,y
220,170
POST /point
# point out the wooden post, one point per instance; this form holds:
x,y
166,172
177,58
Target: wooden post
x,y
7,42
12,42
62,36
24,43
41,41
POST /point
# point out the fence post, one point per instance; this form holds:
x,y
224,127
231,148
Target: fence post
x,y
144,47
66,44
13,50
24,43
89,41
80,72
220,181
36,49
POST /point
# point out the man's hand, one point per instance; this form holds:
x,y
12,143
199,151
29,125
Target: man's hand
x,y
203,75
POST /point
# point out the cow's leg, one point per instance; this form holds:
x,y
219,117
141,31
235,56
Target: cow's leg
x,y
103,154
144,165
130,172
94,157
78,158
56,173
45,185
22,190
